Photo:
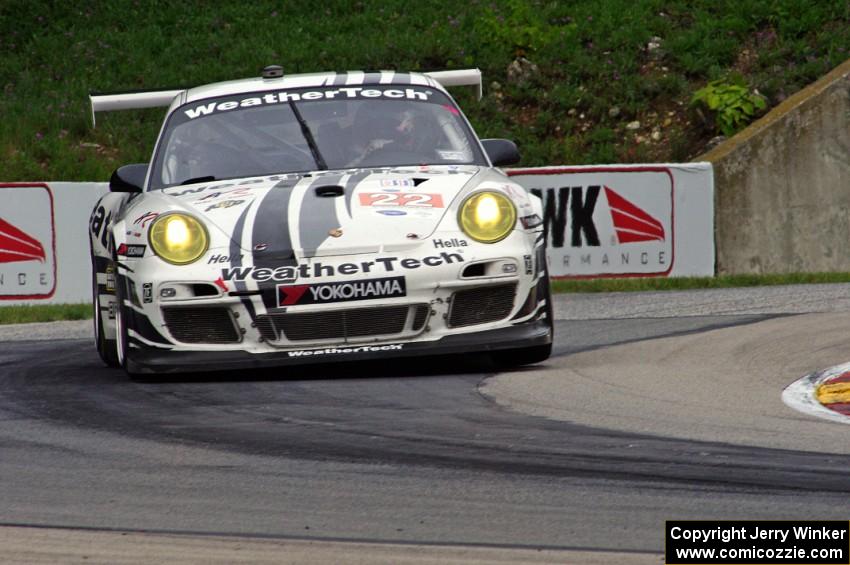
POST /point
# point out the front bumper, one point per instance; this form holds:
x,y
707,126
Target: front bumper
x,y
528,334
435,301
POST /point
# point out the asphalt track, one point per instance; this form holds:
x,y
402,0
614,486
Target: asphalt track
x,y
655,406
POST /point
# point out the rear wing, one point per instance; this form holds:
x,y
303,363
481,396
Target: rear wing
x,y
465,77
104,102
131,100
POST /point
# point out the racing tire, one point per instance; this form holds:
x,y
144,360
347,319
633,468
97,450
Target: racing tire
x,y
121,333
107,349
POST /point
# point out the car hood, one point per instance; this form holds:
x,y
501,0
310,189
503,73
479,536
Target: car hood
x,y
328,212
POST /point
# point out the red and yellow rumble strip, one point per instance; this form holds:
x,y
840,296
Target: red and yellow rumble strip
x,y
834,393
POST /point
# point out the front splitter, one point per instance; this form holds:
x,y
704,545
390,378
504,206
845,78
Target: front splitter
x,y
520,336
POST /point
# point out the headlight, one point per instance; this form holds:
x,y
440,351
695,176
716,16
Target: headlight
x,y
487,217
178,238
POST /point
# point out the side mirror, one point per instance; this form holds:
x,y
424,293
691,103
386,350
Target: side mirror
x,y
501,151
128,178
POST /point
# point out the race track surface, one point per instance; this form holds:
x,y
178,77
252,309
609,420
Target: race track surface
x,y
655,406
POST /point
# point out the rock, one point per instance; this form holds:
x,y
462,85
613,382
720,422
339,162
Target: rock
x,y
653,48
714,142
495,86
633,125
521,70
613,112
656,135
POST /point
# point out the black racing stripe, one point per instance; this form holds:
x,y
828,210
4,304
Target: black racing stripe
x,y
317,215
272,232
540,260
271,228
372,78
351,186
527,305
142,325
100,263
236,258
401,78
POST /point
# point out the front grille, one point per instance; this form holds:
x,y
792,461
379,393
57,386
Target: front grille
x,y
481,305
340,324
193,324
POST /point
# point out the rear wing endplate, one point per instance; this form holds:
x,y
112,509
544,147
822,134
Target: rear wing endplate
x,y
465,77
157,98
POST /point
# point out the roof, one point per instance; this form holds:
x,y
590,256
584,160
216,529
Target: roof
x,y
349,78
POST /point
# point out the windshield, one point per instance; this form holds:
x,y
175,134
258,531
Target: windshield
x,y
308,129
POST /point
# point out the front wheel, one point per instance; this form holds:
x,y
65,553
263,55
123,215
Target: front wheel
x,y
121,334
106,348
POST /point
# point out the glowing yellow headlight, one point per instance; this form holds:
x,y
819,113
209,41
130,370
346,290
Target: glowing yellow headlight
x,y
487,217
178,238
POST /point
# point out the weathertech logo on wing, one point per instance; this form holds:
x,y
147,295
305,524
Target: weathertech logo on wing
x,y
630,222
16,245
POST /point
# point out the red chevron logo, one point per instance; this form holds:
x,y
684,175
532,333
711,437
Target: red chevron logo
x,y
16,245
288,295
630,222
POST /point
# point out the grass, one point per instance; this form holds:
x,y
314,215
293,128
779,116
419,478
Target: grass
x,y
44,313
689,283
51,313
598,66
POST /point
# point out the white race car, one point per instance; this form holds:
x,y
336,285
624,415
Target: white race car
x,y
314,218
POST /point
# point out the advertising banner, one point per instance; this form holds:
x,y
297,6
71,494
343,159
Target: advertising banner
x,y
601,221
626,220
27,243
44,249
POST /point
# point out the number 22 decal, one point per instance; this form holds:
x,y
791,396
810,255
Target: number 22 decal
x,y
412,199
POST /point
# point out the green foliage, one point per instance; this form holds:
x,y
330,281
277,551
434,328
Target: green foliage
x,y
592,56
48,313
732,104
516,27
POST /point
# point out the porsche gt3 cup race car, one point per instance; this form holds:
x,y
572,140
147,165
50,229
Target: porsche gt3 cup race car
x,y
321,217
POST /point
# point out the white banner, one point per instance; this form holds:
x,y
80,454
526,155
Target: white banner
x,y
602,221
44,242
626,220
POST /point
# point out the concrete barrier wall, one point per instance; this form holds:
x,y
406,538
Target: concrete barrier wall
x,y
782,186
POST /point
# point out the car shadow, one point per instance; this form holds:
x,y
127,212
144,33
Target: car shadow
x,y
418,367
